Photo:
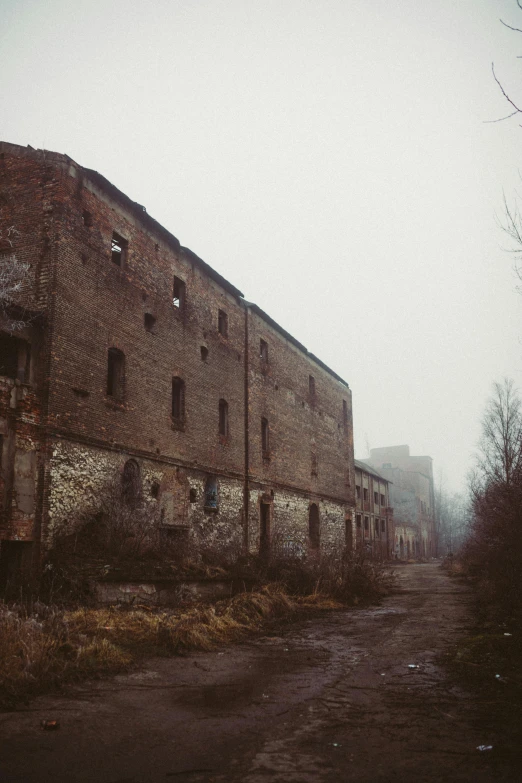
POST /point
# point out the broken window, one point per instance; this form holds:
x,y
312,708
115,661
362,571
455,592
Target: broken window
x,y
119,247
178,294
365,494
154,490
223,323
314,531
223,418
383,525
383,500
193,495
376,498
265,436
116,374
178,399
204,353
311,386
358,490
366,523
87,218
314,464
358,520
263,351
149,321
211,494
131,482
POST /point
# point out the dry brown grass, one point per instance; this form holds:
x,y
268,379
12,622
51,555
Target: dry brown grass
x,y
50,646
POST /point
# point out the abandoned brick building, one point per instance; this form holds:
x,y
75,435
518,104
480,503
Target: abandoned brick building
x,y
412,497
140,361
374,529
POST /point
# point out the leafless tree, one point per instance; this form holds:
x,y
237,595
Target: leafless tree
x,y
499,457
14,278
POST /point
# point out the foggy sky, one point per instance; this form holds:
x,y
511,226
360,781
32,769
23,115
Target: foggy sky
x,y
329,157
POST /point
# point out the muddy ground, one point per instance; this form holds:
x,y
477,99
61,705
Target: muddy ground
x,y
328,699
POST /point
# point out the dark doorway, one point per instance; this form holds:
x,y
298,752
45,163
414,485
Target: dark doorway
x,y
264,530
314,533
15,564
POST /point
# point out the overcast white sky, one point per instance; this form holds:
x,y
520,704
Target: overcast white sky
x,y
329,157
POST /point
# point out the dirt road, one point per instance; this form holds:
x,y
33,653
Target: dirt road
x,y
331,699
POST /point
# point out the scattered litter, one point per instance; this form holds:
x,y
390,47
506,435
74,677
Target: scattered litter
x,y
336,744
484,747
383,675
286,649
412,666
50,725
508,634
499,678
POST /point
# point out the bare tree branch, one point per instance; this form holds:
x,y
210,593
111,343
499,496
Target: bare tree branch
x,y
516,29
504,93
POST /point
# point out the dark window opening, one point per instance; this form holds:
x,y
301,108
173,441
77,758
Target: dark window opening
x,y
116,374
149,321
87,218
314,531
223,323
383,525
376,527
15,358
265,436
345,412
358,520
178,294
154,489
314,464
311,386
204,353
366,523
263,351
193,495
358,490
365,494
178,399
223,418
383,500
376,498
131,482
119,247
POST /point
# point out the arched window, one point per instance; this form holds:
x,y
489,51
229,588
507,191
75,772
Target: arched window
x,y
131,482
314,533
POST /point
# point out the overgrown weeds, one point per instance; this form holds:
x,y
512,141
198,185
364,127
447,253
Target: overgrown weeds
x,y
45,646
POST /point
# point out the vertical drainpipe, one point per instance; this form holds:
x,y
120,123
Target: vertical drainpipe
x,y
246,488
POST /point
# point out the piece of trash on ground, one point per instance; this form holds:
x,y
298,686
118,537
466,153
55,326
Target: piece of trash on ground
x,y
50,725
413,666
484,747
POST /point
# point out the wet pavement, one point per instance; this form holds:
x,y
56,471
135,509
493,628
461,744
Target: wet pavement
x,y
353,695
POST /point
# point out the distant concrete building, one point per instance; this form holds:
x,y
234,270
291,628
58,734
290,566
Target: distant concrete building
x,y
374,531
412,497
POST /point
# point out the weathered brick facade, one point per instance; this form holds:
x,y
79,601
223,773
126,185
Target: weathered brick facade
x,y
374,523
140,350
